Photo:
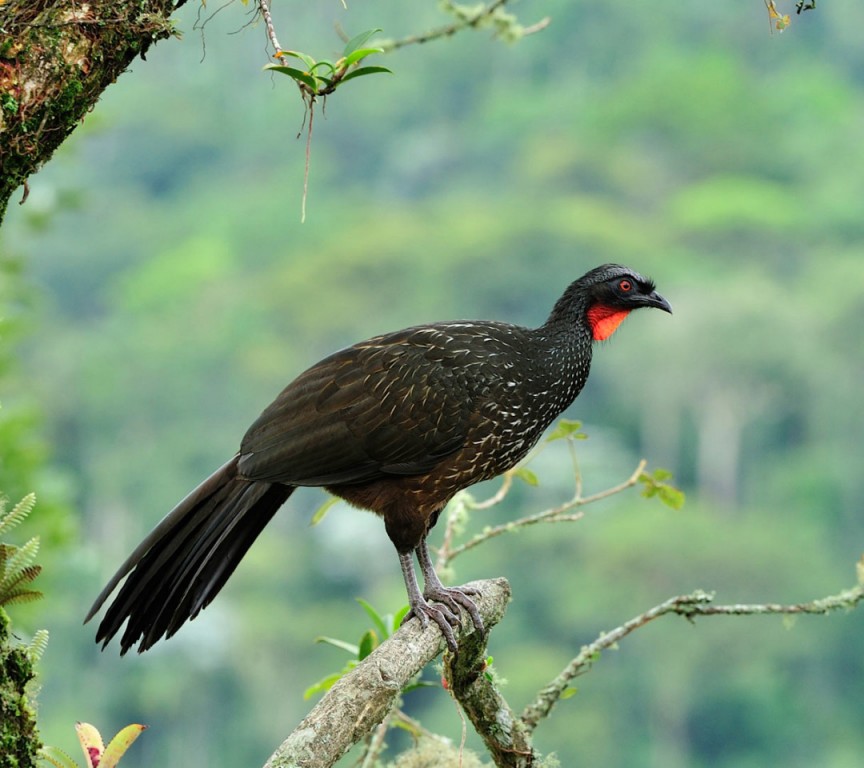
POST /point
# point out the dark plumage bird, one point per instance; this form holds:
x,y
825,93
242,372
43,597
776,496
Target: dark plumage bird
x,y
397,425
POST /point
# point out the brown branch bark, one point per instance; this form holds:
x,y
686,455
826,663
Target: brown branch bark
x,y
56,59
506,737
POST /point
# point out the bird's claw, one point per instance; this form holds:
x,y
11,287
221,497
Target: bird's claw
x,y
446,613
440,614
456,597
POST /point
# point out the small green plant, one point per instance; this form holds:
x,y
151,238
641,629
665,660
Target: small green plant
x,y
383,627
95,751
567,429
657,485
320,78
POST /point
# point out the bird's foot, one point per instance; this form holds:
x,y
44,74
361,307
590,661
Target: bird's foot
x,y
440,614
454,598
446,610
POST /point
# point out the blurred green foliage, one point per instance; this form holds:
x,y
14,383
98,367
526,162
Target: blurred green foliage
x,y
177,293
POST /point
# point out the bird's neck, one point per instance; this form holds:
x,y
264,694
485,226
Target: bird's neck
x,y
567,325
563,345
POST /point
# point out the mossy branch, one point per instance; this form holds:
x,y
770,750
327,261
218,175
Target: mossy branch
x,y
19,737
56,59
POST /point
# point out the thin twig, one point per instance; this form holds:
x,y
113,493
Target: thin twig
x,y
415,727
697,603
538,26
445,31
271,30
577,470
376,741
551,515
499,495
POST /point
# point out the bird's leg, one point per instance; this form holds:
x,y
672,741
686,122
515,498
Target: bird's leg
x,y
452,597
422,609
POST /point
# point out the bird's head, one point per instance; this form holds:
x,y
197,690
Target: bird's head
x,y
608,294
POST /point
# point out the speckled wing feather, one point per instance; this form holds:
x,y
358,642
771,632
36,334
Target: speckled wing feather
x,y
394,405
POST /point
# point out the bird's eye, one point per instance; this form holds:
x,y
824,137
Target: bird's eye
x,y
625,286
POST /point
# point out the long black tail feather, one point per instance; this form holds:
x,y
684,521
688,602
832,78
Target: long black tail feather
x,y
187,558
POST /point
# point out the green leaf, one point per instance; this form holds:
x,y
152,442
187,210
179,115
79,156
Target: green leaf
x,y
323,63
568,693
324,684
336,643
355,42
323,510
413,728
375,616
526,476
567,429
362,53
671,496
359,72
397,619
302,77
368,643
655,485
304,57
91,743
117,747
419,684
57,757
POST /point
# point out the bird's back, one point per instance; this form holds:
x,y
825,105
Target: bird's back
x,y
472,396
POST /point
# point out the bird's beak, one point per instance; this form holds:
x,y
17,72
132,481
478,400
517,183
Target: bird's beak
x,y
654,299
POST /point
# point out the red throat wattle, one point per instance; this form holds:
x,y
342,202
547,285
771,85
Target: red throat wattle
x,y
605,320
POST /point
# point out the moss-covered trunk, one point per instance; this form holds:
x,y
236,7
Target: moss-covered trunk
x,y
56,58
19,739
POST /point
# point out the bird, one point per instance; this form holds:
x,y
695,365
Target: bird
x,y
396,424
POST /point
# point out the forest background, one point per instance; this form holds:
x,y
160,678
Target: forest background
x,y
160,290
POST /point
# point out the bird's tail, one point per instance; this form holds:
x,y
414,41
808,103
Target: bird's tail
x,y
187,558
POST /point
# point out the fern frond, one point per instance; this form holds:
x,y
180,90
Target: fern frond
x,y
17,568
36,647
19,558
57,757
18,514
20,596
24,576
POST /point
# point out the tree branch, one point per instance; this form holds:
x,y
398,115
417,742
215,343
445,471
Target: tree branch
x,y
697,603
59,58
361,699
507,738
464,21
556,514
264,8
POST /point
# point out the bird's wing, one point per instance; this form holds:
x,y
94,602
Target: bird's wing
x,y
395,405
